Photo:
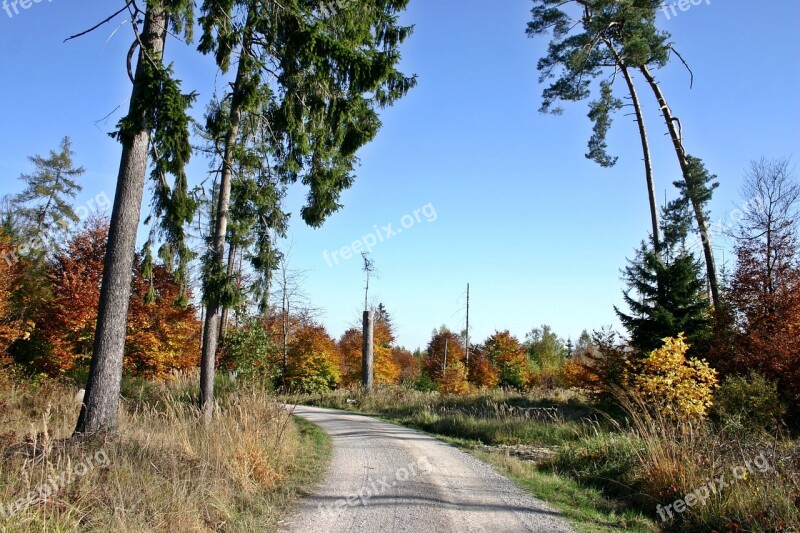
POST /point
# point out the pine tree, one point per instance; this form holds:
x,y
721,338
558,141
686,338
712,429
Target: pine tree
x,y
43,207
584,47
622,36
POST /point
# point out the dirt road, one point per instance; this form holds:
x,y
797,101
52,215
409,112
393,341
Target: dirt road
x,y
385,477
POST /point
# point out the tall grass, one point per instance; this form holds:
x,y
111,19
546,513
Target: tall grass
x,y
493,417
635,456
163,471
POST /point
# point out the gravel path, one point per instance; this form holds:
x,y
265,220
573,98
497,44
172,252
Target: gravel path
x,y
385,477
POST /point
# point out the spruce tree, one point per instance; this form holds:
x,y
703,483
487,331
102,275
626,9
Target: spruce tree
x,y
155,130
666,296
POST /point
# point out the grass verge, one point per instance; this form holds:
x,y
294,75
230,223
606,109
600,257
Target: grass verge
x,y
634,471
163,470
492,426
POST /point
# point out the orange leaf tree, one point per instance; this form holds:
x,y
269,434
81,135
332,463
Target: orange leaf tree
x,y
11,328
313,360
409,365
68,323
387,369
444,362
161,337
482,372
508,356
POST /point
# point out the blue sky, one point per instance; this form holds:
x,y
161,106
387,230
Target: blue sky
x,y
538,231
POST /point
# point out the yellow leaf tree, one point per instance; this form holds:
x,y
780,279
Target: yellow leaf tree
x,y
679,388
313,360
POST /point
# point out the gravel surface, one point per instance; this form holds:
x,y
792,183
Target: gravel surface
x,y
385,477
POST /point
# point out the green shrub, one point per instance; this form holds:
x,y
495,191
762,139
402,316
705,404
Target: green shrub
x,y
749,402
425,384
250,352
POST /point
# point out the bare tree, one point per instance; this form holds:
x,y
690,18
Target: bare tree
x,y
289,296
770,224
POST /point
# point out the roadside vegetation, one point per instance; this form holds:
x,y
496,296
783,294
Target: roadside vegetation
x,y
608,467
685,421
163,471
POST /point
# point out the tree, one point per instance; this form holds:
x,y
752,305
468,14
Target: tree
x,y
313,360
251,352
583,51
159,337
666,296
481,372
445,353
44,208
507,356
68,324
547,354
631,41
162,334
679,388
157,123
765,289
603,370
11,328
408,364
387,368
321,74
584,345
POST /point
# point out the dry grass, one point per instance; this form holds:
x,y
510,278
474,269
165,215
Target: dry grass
x,y
759,474
162,472
630,463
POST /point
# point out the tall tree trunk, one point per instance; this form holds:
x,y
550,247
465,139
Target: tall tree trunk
x,y
212,324
648,162
101,401
697,206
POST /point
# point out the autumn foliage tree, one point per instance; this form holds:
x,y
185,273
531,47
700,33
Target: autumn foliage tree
x,y
444,362
313,363
11,328
765,289
68,324
507,355
161,337
387,369
482,373
408,363
679,388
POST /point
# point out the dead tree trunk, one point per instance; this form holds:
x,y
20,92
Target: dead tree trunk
x,y
367,355
683,160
